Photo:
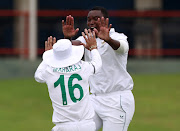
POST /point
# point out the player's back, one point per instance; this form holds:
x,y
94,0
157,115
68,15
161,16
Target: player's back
x,y
69,92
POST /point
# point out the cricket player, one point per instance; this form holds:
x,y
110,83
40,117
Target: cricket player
x,y
111,87
66,76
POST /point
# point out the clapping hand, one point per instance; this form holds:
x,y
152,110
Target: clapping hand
x,y
68,27
49,43
90,39
104,28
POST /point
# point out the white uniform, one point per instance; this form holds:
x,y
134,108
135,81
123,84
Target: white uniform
x,y
111,86
69,92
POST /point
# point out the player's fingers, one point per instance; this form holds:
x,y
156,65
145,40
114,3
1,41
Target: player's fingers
x,y
96,31
94,35
110,26
99,21
90,33
107,22
45,45
102,21
84,36
50,41
54,40
76,31
66,19
72,21
69,20
86,32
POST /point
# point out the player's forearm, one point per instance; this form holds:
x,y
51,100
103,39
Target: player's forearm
x,y
76,42
113,43
96,60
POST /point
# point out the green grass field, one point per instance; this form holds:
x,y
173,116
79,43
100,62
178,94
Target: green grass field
x,y
25,104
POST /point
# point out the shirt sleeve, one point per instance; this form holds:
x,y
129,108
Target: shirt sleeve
x,y
124,45
40,73
81,38
96,60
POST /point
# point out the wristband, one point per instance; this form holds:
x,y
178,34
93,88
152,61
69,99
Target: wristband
x,y
91,47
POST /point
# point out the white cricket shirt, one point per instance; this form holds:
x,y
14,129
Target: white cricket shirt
x,y
113,75
69,88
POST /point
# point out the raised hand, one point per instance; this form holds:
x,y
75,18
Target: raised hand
x,y
90,38
49,43
68,27
104,28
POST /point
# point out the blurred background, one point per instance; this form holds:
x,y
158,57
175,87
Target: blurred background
x,y
153,30
152,27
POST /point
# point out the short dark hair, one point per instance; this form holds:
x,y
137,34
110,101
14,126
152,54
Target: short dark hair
x,y
102,9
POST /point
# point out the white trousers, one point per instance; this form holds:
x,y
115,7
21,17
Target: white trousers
x,y
113,111
87,125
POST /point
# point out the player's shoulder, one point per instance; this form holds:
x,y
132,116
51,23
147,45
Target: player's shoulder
x,y
80,38
117,35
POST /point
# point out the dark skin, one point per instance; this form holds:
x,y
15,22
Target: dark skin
x,y
90,40
96,22
49,43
